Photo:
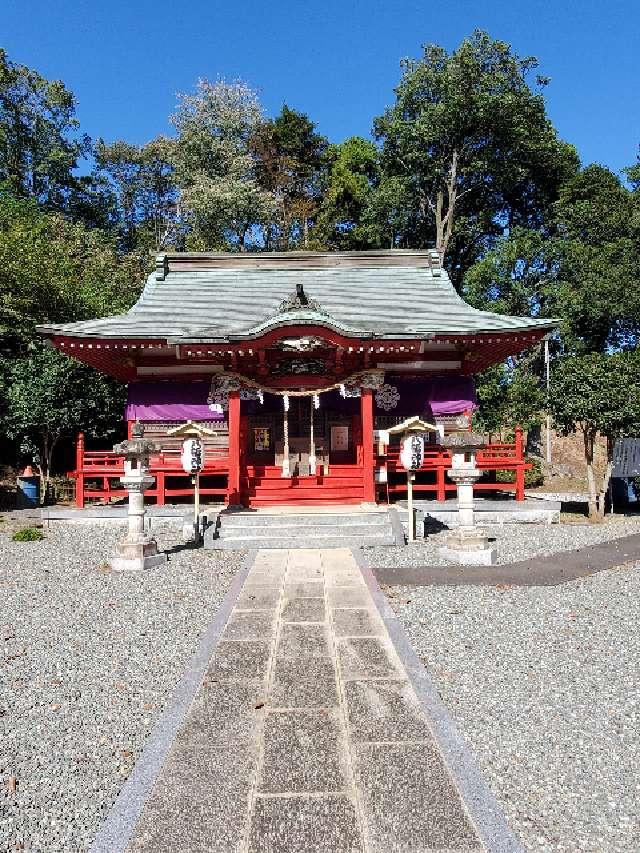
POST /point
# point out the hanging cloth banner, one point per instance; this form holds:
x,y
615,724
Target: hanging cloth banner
x,y
223,383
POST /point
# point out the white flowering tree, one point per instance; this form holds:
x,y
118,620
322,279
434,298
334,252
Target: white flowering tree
x,y
214,167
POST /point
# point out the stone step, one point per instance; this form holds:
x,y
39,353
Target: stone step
x,y
264,519
300,530
283,530
244,543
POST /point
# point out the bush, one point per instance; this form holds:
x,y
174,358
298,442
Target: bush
x,y
533,477
28,534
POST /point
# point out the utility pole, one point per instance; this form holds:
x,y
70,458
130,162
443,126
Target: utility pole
x,y
548,381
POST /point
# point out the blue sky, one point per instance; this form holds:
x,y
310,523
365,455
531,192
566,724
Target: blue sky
x,y
337,60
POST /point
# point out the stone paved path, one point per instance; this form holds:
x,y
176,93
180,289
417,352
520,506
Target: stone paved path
x,y
306,735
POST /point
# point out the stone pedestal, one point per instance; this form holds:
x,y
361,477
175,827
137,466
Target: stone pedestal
x,y
467,545
138,550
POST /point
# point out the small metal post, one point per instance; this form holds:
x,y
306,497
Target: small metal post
x,y
312,441
411,533
548,382
286,470
196,503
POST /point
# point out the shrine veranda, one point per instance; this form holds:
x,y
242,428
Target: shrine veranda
x,y
292,363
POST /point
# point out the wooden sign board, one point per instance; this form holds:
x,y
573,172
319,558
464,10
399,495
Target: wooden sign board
x,y
261,439
339,438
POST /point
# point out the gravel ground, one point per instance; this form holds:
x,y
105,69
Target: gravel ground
x,y
514,541
90,657
545,685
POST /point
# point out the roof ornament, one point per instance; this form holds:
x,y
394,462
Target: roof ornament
x,y
307,343
435,262
299,301
162,267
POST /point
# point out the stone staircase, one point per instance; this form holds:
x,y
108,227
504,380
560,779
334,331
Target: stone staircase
x,y
264,529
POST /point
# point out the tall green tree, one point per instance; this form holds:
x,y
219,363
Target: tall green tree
x,y
597,237
40,144
289,156
215,168
581,267
54,270
51,397
352,172
597,394
470,137
139,183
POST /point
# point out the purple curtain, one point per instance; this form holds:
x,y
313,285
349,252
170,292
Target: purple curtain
x,y
446,395
169,401
451,395
180,401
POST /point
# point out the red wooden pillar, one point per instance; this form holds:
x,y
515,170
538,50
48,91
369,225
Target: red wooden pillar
x,y
520,465
160,489
368,460
356,438
441,463
233,488
80,470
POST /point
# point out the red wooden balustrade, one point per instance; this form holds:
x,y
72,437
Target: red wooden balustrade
x,y
437,461
97,472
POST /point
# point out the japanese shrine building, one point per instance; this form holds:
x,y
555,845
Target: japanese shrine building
x,y
291,362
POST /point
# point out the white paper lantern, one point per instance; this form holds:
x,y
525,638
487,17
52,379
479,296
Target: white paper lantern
x,y
412,453
192,455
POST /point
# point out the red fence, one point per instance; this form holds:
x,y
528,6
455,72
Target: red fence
x,y
97,473
432,478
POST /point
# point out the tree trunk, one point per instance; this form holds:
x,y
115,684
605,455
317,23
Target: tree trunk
x,y
589,441
444,220
243,237
602,500
48,446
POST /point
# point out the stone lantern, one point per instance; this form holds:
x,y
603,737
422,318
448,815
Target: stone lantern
x,y
467,544
137,550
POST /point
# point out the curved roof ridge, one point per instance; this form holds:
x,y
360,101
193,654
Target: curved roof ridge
x,y
223,301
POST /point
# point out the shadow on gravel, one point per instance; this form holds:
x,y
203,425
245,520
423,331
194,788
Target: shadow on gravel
x,y
540,571
183,546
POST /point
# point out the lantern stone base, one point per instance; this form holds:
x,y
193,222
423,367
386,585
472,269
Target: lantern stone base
x,y
137,556
469,547
191,532
483,557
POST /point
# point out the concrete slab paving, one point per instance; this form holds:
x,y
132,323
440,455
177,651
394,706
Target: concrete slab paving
x,y
307,734
303,753
410,801
384,711
308,589
367,657
358,623
258,598
200,801
302,825
304,610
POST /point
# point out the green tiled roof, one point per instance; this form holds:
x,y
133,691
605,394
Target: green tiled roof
x,y
233,300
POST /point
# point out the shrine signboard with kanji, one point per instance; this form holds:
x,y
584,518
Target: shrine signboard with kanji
x,y
339,438
261,439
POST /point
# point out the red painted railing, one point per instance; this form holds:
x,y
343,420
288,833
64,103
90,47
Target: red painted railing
x,y
97,471
437,461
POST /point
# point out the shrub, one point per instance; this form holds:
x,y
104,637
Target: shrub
x,y
533,477
28,534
